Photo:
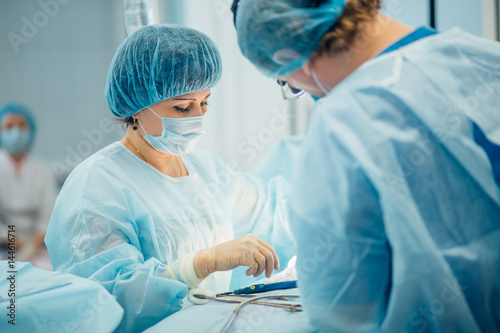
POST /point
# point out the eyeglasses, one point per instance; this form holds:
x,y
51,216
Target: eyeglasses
x,y
288,91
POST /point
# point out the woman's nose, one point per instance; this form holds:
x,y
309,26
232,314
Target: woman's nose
x,y
199,111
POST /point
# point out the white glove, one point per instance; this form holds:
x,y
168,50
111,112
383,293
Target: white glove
x,y
248,250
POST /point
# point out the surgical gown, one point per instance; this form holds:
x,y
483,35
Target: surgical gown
x,y
282,159
394,206
119,221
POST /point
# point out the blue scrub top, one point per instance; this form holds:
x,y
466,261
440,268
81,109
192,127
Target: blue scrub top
x,y
491,149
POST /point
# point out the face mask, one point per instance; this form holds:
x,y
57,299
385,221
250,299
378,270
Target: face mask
x,y
179,136
16,140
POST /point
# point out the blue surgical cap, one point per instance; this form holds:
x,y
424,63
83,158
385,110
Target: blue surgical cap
x,y
278,36
158,62
17,109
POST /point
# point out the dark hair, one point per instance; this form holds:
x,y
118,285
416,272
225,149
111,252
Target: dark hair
x,y
126,121
343,33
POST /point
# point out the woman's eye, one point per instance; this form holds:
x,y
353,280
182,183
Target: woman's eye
x,y
182,110
204,103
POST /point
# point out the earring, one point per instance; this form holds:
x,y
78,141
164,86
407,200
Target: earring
x,y
135,125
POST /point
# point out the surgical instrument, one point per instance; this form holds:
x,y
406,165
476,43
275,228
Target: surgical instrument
x,y
286,307
226,328
262,287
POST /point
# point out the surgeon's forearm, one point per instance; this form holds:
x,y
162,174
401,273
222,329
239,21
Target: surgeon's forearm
x,y
37,240
3,234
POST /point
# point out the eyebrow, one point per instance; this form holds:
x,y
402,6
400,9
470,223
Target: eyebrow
x,y
189,99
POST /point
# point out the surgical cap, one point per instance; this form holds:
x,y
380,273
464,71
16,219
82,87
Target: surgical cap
x,y
158,62
278,36
17,109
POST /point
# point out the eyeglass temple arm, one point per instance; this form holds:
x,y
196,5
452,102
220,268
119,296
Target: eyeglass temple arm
x,y
234,9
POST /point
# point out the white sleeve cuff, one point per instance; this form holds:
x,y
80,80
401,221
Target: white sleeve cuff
x,y
183,270
187,270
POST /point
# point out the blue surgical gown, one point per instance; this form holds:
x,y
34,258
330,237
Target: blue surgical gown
x,y
394,206
282,159
119,221
49,302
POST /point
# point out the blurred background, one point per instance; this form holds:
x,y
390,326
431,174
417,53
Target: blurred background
x,y
54,57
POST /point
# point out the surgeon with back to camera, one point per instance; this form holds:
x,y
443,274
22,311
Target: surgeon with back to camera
x,y
148,217
395,204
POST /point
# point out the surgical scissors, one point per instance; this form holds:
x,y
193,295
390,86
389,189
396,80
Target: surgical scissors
x,y
287,307
226,328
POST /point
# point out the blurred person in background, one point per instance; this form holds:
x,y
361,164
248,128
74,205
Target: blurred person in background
x,y
27,187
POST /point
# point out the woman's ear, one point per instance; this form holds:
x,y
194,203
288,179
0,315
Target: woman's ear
x,y
307,69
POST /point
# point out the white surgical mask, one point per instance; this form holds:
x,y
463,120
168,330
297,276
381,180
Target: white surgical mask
x,y
15,140
179,135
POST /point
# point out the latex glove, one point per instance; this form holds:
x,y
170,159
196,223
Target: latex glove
x,y
248,250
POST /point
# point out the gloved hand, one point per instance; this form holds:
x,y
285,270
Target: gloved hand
x,y
248,250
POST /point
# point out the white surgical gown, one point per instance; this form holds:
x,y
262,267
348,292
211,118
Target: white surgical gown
x,y
120,221
26,197
394,207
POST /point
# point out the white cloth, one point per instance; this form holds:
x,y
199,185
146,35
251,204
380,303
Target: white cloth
x,y
26,197
253,318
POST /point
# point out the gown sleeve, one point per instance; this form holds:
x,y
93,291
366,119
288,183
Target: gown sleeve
x,y
93,234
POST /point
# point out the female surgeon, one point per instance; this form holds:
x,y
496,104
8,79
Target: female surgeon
x,y
27,187
395,204
148,217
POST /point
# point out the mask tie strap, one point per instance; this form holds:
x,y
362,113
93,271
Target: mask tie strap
x,y
315,78
140,124
154,112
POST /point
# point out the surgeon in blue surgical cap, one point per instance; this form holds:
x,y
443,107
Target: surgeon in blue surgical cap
x,y
149,216
395,204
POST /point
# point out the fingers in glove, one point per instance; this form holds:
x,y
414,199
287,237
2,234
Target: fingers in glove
x,y
253,267
261,260
275,256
